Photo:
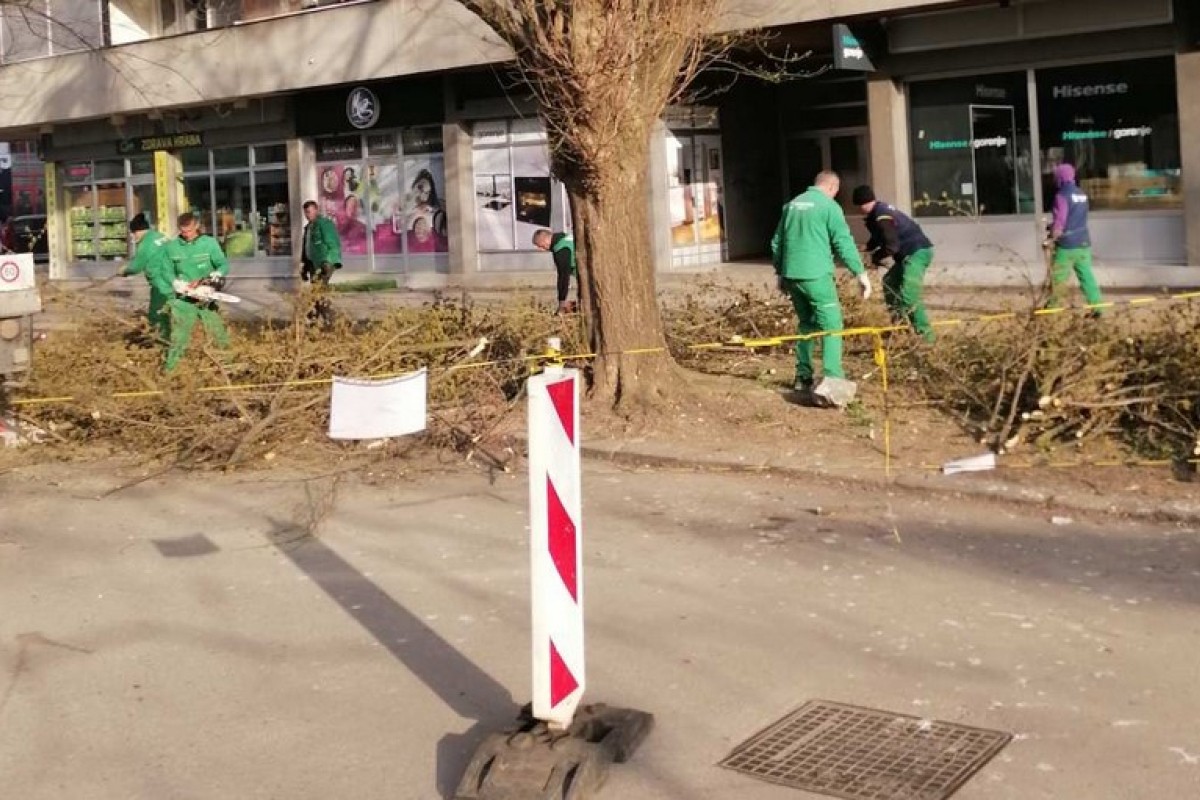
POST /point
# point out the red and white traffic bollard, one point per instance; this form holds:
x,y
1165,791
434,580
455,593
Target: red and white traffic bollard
x,y
556,552
557,748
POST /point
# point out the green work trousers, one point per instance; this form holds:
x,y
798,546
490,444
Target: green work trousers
x,y
817,309
902,287
159,315
1079,261
184,316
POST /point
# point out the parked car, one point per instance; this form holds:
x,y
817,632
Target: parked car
x,y
26,234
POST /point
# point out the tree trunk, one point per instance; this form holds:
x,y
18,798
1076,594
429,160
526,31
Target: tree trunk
x,y
617,280
602,72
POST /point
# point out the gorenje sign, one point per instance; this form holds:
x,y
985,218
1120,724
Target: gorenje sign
x,y
1069,91
849,52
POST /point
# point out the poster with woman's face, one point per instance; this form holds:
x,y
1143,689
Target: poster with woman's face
x,y
341,200
424,216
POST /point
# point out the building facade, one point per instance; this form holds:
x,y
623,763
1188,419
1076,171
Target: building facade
x,y
390,114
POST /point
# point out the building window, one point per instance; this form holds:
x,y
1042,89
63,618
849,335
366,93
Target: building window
x,y
240,195
26,176
40,28
1118,124
514,192
970,146
102,196
695,182
385,192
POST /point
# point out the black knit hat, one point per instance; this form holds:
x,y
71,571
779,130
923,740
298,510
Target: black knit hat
x,y
862,195
139,223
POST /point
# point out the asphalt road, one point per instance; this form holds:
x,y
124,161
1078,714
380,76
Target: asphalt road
x,y
189,636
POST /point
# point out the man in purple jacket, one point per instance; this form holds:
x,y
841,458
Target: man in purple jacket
x,y
1071,241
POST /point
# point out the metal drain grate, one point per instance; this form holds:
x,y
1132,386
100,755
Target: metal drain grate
x,y
863,754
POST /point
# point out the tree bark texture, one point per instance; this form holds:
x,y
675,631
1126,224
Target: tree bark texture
x,y
618,286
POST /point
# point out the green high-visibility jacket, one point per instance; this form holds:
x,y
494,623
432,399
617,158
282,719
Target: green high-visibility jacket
x,y
321,242
151,254
811,230
562,245
194,260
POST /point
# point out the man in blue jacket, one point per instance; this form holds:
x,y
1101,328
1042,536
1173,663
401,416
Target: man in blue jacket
x,y
898,243
1072,242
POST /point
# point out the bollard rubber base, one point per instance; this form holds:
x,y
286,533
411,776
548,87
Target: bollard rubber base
x,y
532,762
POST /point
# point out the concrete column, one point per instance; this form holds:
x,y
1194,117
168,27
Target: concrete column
x,y
302,187
658,199
887,111
460,202
57,225
1187,81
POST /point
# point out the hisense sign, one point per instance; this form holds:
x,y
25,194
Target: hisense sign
x,y
1071,91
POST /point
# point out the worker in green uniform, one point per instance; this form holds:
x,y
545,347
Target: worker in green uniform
x,y
193,258
320,257
811,230
899,245
149,259
562,247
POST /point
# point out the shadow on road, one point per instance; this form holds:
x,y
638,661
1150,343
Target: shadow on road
x,y
461,685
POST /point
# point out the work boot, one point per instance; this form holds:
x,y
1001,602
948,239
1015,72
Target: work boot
x,y
835,392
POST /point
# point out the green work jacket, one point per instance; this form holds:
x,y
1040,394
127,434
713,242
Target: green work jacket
x,y
321,242
194,260
811,230
150,257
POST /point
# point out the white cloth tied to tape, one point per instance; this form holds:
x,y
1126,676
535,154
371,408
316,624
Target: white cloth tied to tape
x,y
378,409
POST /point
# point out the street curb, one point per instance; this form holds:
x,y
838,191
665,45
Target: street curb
x,y
995,491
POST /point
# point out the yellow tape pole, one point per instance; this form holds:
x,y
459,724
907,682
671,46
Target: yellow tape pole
x,y
881,361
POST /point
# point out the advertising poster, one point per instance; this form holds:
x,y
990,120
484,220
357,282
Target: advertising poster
x,y
493,197
341,200
424,211
531,184
386,207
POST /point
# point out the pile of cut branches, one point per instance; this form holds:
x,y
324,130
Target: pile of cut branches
x,y
268,394
1130,378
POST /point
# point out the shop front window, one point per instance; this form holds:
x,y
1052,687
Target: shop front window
x,y
240,196
970,143
514,192
1118,125
385,192
28,195
695,175
101,197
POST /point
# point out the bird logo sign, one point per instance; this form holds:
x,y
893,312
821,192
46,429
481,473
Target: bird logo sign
x,y
362,108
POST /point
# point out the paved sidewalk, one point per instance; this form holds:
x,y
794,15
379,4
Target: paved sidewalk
x,y
187,637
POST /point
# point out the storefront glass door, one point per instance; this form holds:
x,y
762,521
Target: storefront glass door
x,y
994,157
696,173
845,152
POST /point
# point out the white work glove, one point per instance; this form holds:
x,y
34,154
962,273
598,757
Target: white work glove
x,y
180,286
865,283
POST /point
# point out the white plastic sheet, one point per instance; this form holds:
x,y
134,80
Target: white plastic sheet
x,y
378,409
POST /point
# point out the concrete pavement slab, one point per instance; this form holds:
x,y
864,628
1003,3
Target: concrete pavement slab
x,y
255,637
